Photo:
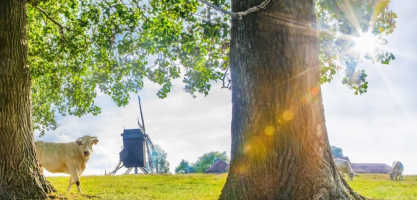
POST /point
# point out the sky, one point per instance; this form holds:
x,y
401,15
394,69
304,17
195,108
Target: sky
x,y
379,126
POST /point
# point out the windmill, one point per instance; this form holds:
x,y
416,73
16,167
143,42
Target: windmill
x,y
136,144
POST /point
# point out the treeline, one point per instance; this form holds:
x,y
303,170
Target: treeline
x,y
202,164
160,164
337,152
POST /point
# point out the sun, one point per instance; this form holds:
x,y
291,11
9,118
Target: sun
x,y
365,43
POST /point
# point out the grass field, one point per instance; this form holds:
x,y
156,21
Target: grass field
x,y
208,186
379,186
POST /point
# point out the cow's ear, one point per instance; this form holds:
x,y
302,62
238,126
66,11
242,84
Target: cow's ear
x,y
95,140
79,141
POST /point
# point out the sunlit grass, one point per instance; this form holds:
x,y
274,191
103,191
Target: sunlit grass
x,y
208,186
379,186
191,186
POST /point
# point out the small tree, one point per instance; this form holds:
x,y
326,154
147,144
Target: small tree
x,y
159,160
337,152
204,162
184,167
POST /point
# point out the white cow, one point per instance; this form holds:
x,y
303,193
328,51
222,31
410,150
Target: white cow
x,y
69,158
343,166
396,171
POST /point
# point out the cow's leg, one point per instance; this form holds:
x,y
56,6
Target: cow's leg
x,y
78,183
74,179
70,183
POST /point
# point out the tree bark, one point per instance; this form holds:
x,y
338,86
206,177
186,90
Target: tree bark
x,y
280,148
20,176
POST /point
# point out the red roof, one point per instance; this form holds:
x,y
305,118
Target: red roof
x,y
218,167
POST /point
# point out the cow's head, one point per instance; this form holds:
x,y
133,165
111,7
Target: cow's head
x,y
86,144
392,175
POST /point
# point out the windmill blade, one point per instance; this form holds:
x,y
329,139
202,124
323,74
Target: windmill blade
x,y
141,115
147,138
141,127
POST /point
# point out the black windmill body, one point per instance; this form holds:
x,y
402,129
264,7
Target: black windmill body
x,y
136,144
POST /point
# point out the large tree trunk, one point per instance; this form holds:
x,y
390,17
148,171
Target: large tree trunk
x,y
280,148
20,177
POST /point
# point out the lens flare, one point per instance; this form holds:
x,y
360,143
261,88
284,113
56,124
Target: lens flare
x,y
287,115
247,148
315,90
365,43
269,130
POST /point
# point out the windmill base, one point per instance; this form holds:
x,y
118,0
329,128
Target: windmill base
x,y
120,165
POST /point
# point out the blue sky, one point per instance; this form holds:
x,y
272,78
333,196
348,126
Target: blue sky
x,y
377,127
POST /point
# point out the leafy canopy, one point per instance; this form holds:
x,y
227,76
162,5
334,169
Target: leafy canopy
x,y
160,165
78,48
343,26
336,151
184,167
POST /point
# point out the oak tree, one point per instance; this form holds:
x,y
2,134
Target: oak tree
x,y
280,147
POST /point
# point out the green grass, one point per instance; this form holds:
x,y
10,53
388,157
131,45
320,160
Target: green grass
x,y
190,186
379,186
208,186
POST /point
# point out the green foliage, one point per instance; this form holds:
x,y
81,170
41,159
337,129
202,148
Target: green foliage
x,y
160,165
204,162
337,152
340,25
78,48
184,167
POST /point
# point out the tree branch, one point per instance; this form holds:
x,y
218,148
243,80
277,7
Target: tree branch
x,y
234,15
61,28
237,15
224,77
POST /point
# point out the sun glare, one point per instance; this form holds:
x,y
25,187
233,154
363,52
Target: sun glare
x,y
365,43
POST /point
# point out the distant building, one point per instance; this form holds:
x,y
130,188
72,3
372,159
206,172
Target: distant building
x,y
218,167
370,168
367,167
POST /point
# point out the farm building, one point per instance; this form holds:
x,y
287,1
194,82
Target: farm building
x,y
370,168
218,167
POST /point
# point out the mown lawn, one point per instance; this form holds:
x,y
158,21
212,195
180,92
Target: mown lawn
x,y
208,186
